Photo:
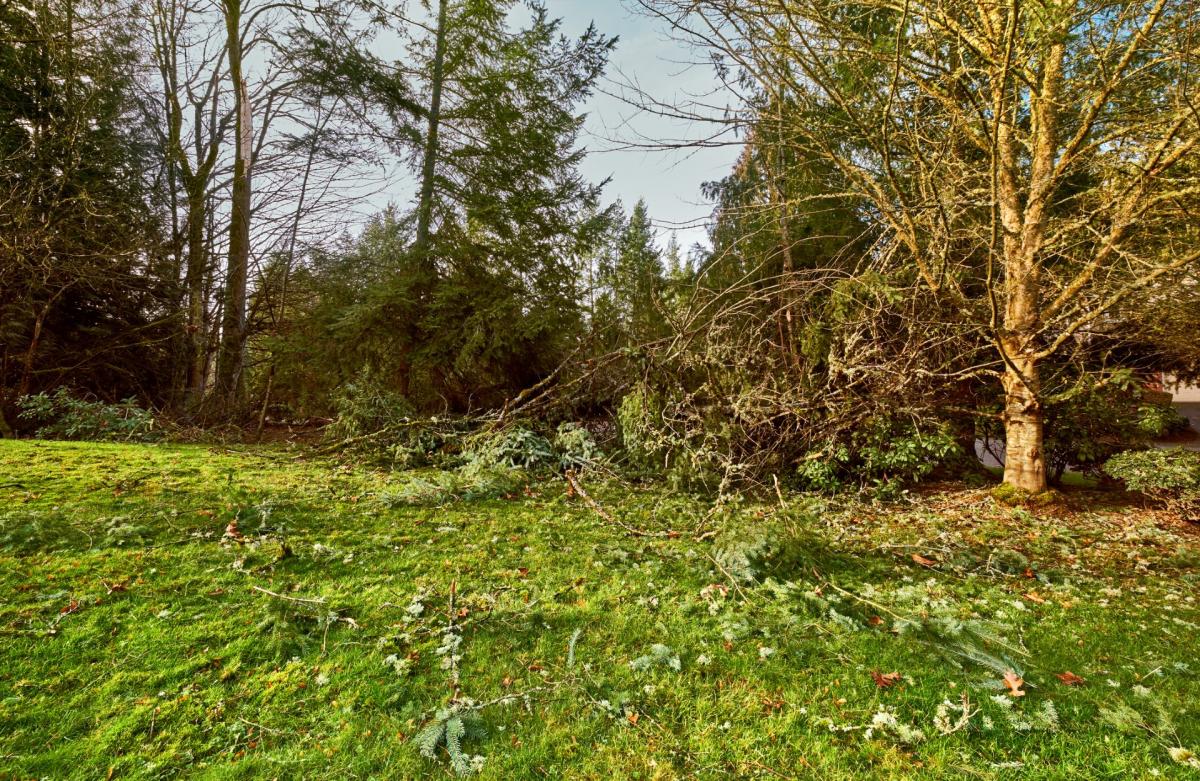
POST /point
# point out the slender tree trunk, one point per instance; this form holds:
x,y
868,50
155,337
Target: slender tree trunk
x,y
291,261
429,163
182,347
775,169
196,267
35,341
231,358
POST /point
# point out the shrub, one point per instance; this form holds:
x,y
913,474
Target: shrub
x,y
62,416
364,407
1085,431
690,441
639,419
1168,476
884,456
1093,421
523,448
382,425
1160,419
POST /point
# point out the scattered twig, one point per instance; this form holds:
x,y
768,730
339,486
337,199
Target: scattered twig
x,y
319,601
731,578
771,770
451,628
260,727
510,697
573,481
864,600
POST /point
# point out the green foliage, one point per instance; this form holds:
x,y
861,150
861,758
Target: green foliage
x,y
886,454
365,407
632,285
489,304
853,295
821,472
522,448
470,483
757,553
85,291
659,656
286,631
639,418
1095,420
497,464
381,424
576,447
60,415
1158,420
515,447
449,728
666,436
1168,476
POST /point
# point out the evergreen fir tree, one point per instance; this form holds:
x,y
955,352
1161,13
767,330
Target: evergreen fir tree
x,y
637,279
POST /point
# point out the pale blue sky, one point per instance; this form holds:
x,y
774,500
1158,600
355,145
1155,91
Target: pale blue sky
x,y
668,180
618,134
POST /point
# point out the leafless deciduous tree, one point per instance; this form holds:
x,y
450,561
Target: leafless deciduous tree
x,y
234,107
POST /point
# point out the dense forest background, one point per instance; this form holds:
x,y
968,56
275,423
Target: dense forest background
x,y
946,226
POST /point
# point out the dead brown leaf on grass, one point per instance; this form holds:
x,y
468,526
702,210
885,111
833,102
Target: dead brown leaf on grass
x,y
885,680
1014,683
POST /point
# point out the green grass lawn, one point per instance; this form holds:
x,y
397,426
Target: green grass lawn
x,y
745,641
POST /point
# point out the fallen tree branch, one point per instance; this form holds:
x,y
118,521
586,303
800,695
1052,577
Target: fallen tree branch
x,y
573,481
289,599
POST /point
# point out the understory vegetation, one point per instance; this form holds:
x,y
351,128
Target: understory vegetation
x,y
267,613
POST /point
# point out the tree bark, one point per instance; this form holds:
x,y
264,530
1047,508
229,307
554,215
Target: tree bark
x,y
197,360
1023,222
231,359
1024,458
429,163
35,341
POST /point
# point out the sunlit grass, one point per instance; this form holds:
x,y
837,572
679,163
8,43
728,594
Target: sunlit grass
x,y
138,643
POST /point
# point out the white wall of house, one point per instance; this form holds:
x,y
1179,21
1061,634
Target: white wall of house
x,y
1181,391
1189,393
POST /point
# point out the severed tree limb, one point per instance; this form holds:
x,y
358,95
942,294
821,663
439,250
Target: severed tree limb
x,y
573,481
